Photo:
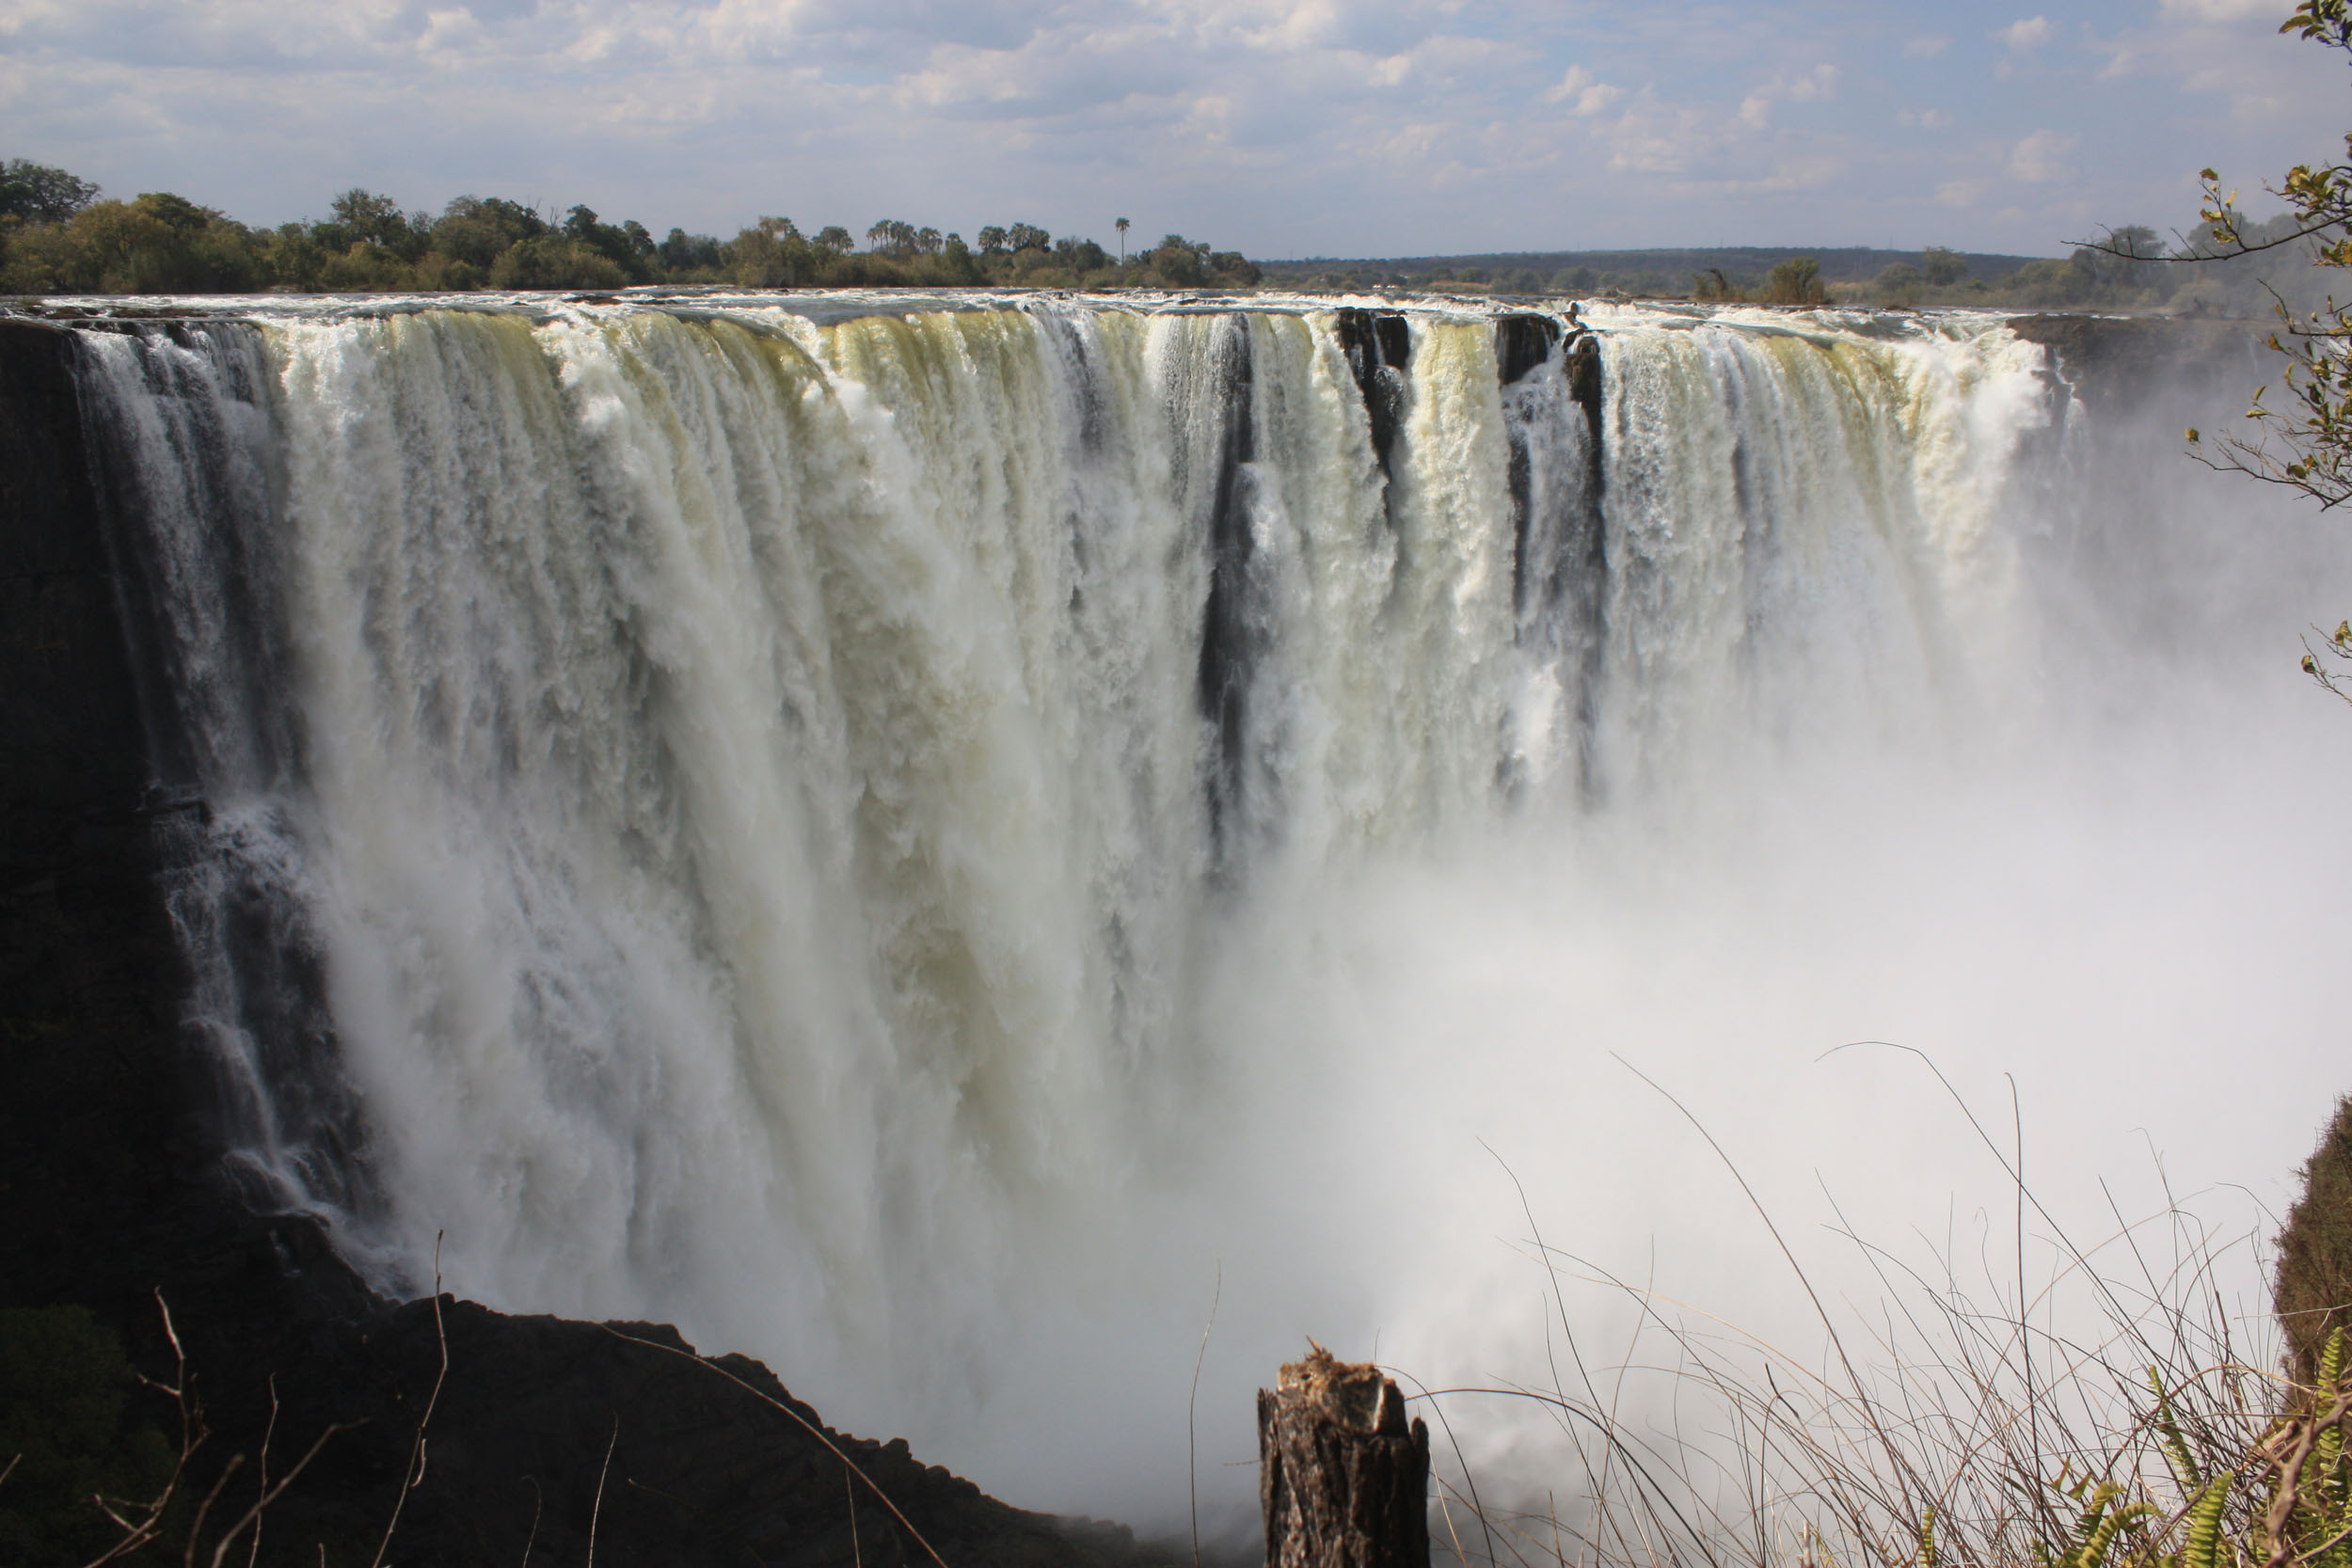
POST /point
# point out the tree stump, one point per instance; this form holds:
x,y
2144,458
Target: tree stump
x,y
1343,1480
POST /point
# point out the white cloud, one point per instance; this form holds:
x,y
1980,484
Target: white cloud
x,y
453,29
1318,124
1580,89
1813,86
2039,158
1655,137
2030,33
2221,11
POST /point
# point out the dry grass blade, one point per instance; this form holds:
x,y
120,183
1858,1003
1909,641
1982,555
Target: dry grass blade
x,y
595,1509
815,1431
2094,1417
413,1476
1192,1457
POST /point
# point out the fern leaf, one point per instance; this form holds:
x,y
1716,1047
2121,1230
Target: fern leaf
x,y
2204,1525
2187,1474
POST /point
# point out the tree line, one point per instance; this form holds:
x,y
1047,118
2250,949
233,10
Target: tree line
x,y
2131,268
58,236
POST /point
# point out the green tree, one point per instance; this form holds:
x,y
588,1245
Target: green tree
x,y
66,1418
958,264
365,217
37,193
1026,236
1178,262
1942,267
892,238
1710,284
1080,255
1232,266
683,253
556,261
1122,225
479,230
1898,283
627,245
2121,259
771,255
1795,281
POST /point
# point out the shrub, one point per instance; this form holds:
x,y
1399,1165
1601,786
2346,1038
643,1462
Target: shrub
x,y
556,261
1795,281
1898,283
2312,1284
65,1389
1713,285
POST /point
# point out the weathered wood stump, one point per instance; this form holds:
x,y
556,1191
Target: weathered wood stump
x,y
1343,1480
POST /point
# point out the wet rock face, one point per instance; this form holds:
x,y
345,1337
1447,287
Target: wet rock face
x,y
546,1430
93,1131
2116,363
1522,343
112,1189
1584,363
1379,351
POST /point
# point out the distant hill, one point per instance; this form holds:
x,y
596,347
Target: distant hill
x,y
1739,264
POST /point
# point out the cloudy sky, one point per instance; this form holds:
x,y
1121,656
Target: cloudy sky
x,y
1323,127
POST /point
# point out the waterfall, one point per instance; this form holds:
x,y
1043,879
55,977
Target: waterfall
x,y
764,819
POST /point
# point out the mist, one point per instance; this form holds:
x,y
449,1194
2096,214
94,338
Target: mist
x,y
781,865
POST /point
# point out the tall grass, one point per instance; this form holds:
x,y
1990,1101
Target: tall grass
x,y
2146,1426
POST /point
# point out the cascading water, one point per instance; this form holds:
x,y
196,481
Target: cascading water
x,y
908,844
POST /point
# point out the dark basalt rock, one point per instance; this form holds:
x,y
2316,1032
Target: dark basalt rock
x,y
709,1462
1522,343
1234,621
2116,363
1379,348
1583,366
113,1188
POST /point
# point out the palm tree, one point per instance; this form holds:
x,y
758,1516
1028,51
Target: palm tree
x,y
1121,227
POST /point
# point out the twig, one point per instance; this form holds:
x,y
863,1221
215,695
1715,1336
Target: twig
x,y
1836,1343
849,1491
253,1515
1476,1507
192,1435
414,1476
195,1530
595,1509
268,1431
